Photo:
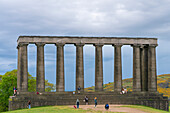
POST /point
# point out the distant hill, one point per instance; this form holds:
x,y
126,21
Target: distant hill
x,y
163,86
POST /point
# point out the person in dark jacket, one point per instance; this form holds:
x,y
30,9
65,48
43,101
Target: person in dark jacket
x,y
79,88
29,104
107,106
95,101
86,100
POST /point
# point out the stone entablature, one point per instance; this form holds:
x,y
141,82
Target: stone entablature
x,y
85,40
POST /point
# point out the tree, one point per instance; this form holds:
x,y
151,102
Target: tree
x,y
0,77
9,80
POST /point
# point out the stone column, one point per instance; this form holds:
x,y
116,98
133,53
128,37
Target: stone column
x,y
98,68
60,68
152,75
40,79
117,68
22,74
136,68
19,77
79,67
144,68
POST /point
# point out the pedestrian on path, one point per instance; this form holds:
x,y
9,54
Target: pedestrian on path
x,y
95,101
77,103
29,104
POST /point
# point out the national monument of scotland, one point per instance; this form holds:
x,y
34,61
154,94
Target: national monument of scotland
x,y
144,73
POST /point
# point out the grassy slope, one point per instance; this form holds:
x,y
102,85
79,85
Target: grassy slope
x,y
145,109
66,109
54,109
162,80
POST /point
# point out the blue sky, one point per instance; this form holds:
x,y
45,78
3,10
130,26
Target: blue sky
x,y
131,18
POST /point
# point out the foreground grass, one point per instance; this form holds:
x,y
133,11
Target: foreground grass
x,y
66,109
54,109
145,108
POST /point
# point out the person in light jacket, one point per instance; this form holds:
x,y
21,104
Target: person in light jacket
x,y
77,103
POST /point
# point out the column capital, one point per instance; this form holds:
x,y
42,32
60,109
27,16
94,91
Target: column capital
x,y
39,44
153,45
59,44
79,44
117,45
22,44
98,44
143,46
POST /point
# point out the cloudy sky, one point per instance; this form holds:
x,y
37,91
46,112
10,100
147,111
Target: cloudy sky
x,y
130,18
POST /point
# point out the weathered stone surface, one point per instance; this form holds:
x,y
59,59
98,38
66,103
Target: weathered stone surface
x,y
144,72
79,67
22,75
60,68
144,68
136,68
98,68
117,68
86,40
46,99
152,76
40,78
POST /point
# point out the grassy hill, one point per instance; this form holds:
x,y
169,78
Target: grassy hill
x,y
67,109
163,85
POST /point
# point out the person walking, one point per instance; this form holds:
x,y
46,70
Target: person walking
x,y
29,104
95,101
86,100
77,103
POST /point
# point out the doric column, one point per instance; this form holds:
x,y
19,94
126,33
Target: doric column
x,y
19,77
152,75
98,68
60,68
144,68
117,68
79,67
136,68
22,74
40,79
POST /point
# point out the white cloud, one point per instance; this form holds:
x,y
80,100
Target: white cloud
x,y
7,64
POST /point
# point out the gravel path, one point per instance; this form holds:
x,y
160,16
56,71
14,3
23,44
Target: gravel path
x,y
112,108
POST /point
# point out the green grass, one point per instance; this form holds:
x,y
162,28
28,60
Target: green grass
x,y
66,109
145,108
54,109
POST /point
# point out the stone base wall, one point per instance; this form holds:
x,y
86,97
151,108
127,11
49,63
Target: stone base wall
x,y
147,99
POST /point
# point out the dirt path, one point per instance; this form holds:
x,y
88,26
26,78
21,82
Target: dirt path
x,y
112,108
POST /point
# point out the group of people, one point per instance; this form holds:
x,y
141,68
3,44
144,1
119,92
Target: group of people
x,y
86,102
86,99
